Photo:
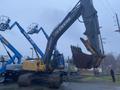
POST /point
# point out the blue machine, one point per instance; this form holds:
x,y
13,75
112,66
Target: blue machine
x,y
28,38
4,23
33,28
12,58
6,26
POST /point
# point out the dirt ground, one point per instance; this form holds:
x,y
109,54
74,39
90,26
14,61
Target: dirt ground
x,y
67,86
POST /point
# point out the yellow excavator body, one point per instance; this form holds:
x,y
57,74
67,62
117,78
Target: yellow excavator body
x,y
34,65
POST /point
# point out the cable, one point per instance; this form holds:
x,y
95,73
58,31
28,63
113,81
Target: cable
x,y
112,9
109,7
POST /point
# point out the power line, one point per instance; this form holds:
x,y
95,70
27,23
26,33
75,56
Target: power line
x,y
108,7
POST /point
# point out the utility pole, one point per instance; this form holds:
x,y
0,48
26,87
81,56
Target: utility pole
x,y
32,52
118,24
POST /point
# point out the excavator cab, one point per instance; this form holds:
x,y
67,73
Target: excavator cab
x,y
58,60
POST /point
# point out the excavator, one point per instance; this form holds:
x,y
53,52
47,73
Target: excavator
x,y
10,67
85,9
53,78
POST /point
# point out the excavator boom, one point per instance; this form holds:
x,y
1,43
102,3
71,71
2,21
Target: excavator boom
x,y
85,9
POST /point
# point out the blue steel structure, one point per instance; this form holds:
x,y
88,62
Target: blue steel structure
x,y
12,58
5,25
36,48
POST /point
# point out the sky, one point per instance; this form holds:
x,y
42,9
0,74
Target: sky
x,y
48,14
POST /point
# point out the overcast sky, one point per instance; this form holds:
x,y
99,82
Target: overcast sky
x,y
48,13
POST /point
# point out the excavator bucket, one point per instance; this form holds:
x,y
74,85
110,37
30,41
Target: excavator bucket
x,y
87,45
80,59
93,43
97,57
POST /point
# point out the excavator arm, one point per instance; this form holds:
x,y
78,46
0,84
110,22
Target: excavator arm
x,y
85,9
59,30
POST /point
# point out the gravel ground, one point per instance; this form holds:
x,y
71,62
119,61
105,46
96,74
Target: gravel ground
x,y
68,86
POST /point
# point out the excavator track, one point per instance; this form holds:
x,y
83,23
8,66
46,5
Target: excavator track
x,y
25,80
55,81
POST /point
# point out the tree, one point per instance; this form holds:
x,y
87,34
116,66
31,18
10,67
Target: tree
x,y
118,64
107,62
